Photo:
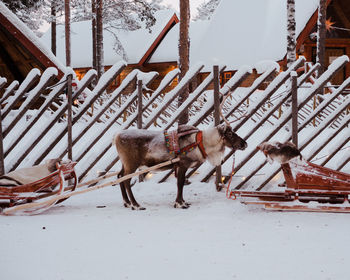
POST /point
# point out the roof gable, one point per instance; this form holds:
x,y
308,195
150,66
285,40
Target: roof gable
x,y
138,44
21,49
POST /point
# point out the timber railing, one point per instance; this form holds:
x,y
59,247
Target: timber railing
x,y
258,113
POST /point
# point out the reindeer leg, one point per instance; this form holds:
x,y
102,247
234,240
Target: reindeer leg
x,y
126,200
181,177
127,203
134,204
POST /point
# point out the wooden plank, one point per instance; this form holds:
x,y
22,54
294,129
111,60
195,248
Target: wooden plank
x,y
9,90
302,208
37,91
29,81
294,108
56,92
101,86
58,114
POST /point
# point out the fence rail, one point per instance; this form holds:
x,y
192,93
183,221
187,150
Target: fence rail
x,y
30,136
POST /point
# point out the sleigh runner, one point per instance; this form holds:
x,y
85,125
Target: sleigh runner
x,y
11,196
308,187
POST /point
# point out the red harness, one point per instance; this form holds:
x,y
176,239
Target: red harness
x,y
172,143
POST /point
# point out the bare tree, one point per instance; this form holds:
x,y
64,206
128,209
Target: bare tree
x,y
53,27
321,36
67,32
291,41
206,9
99,37
184,52
94,39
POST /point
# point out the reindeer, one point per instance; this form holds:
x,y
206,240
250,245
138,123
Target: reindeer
x,y
138,147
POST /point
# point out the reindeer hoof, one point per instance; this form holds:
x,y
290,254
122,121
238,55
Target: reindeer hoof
x,y
127,205
183,205
137,208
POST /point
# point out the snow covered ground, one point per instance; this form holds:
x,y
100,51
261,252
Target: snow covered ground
x,y
92,236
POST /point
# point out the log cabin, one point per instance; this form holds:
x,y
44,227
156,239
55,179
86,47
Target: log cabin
x,y
135,47
21,50
255,30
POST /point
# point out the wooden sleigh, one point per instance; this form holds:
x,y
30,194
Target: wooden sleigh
x,y
308,187
28,193
28,199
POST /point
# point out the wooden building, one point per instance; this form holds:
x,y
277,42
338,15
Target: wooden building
x,y
247,32
135,47
337,37
21,50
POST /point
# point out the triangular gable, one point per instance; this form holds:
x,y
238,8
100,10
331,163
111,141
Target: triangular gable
x,y
21,48
174,20
138,44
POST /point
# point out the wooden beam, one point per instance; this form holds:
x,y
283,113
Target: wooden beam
x,y
174,20
22,39
341,14
10,64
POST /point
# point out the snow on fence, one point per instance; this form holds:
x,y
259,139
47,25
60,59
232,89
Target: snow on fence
x,y
30,136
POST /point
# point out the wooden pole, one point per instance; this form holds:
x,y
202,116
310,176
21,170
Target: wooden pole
x,y
218,172
69,117
67,32
139,113
294,108
184,54
2,166
139,104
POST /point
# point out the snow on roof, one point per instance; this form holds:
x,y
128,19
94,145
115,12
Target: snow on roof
x,y
168,48
30,35
239,33
246,32
135,43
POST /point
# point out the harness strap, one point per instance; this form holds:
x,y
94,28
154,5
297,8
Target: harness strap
x,y
199,143
199,139
171,139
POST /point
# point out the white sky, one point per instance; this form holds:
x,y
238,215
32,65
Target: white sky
x,y
194,4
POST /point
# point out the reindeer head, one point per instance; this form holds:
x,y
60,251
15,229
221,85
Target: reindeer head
x,y
231,139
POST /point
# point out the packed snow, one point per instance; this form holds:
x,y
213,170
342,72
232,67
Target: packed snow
x,y
93,236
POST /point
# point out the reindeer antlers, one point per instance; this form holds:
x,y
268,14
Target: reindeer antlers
x,y
221,112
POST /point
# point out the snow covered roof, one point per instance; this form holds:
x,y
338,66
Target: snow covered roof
x,y
17,30
138,44
239,33
168,48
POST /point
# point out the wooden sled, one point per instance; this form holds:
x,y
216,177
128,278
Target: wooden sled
x,y
309,187
45,201
25,194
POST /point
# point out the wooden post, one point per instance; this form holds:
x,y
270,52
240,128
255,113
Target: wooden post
x,y
218,172
294,108
139,104
2,166
69,116
139,114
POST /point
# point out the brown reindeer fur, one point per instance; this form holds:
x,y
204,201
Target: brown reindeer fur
x,y
281,152
147,148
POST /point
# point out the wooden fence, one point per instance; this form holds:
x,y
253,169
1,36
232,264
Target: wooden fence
x,y
29,136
